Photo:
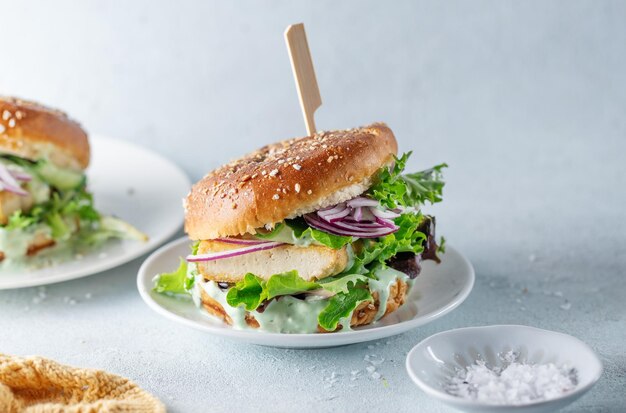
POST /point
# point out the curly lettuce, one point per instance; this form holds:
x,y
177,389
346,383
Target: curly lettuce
x,y
393,189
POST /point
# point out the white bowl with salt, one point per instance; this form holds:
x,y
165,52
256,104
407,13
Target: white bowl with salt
x,y
504,368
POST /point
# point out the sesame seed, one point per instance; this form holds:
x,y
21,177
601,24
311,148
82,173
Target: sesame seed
x,y
276,196
245,178
263,172
6,115
281,161
19,114
330,159
11,123
296,166
254,175
274,172
297,188
309,192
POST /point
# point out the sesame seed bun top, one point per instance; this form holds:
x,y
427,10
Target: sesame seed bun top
x,y
287,179
32,131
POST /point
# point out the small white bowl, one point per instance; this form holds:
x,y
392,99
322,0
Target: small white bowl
x,y
435,359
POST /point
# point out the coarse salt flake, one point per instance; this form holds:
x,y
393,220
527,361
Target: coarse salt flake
x,y
513,383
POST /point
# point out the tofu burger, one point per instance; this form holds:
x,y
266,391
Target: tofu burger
x,y
44,201
316,234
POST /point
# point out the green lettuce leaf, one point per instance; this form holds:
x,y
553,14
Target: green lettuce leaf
x,y
393,189
19,221
340,306
250,292
298,229
350,291
60,230
176,282
374,253
271,234
442,245
343,283
332,241
302,230
288,283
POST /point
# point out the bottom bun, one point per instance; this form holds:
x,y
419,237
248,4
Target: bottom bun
x,y
364,314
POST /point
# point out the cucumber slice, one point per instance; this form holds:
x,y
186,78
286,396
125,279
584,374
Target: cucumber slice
x,y
63,179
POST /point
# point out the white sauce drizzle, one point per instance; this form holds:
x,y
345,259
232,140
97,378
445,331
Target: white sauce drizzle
x,y
288,314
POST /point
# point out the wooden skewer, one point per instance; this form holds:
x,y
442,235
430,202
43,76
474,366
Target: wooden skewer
x,y
304,74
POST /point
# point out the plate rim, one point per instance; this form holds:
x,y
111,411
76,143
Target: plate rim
x,y
299,340
112,263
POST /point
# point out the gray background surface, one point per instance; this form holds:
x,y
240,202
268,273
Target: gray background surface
x,y
524,100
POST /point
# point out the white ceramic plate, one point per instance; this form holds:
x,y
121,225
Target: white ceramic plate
x,y
436,358
438,290
130,182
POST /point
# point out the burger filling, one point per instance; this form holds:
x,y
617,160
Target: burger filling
x,y
331,269
42,205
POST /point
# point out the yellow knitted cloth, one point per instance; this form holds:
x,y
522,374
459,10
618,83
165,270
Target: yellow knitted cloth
x,y
39,385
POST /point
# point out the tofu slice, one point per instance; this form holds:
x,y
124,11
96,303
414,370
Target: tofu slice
x,y
10,202
312,263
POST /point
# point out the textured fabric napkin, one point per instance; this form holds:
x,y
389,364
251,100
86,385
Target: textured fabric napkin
x,y
39,385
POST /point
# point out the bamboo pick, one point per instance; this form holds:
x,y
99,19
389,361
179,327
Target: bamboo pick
x,y
304,74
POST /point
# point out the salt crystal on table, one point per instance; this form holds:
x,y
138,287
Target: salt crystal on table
x,y
374,359
566,306
370,369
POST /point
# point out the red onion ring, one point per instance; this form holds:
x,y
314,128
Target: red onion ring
x,y
213,256
361,201
239,241
9,183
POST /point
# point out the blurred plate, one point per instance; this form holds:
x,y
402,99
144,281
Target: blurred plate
x,y
130,182
439,289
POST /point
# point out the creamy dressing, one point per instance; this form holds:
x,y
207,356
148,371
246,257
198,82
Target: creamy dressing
x,y
288,314
386,278
14,244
